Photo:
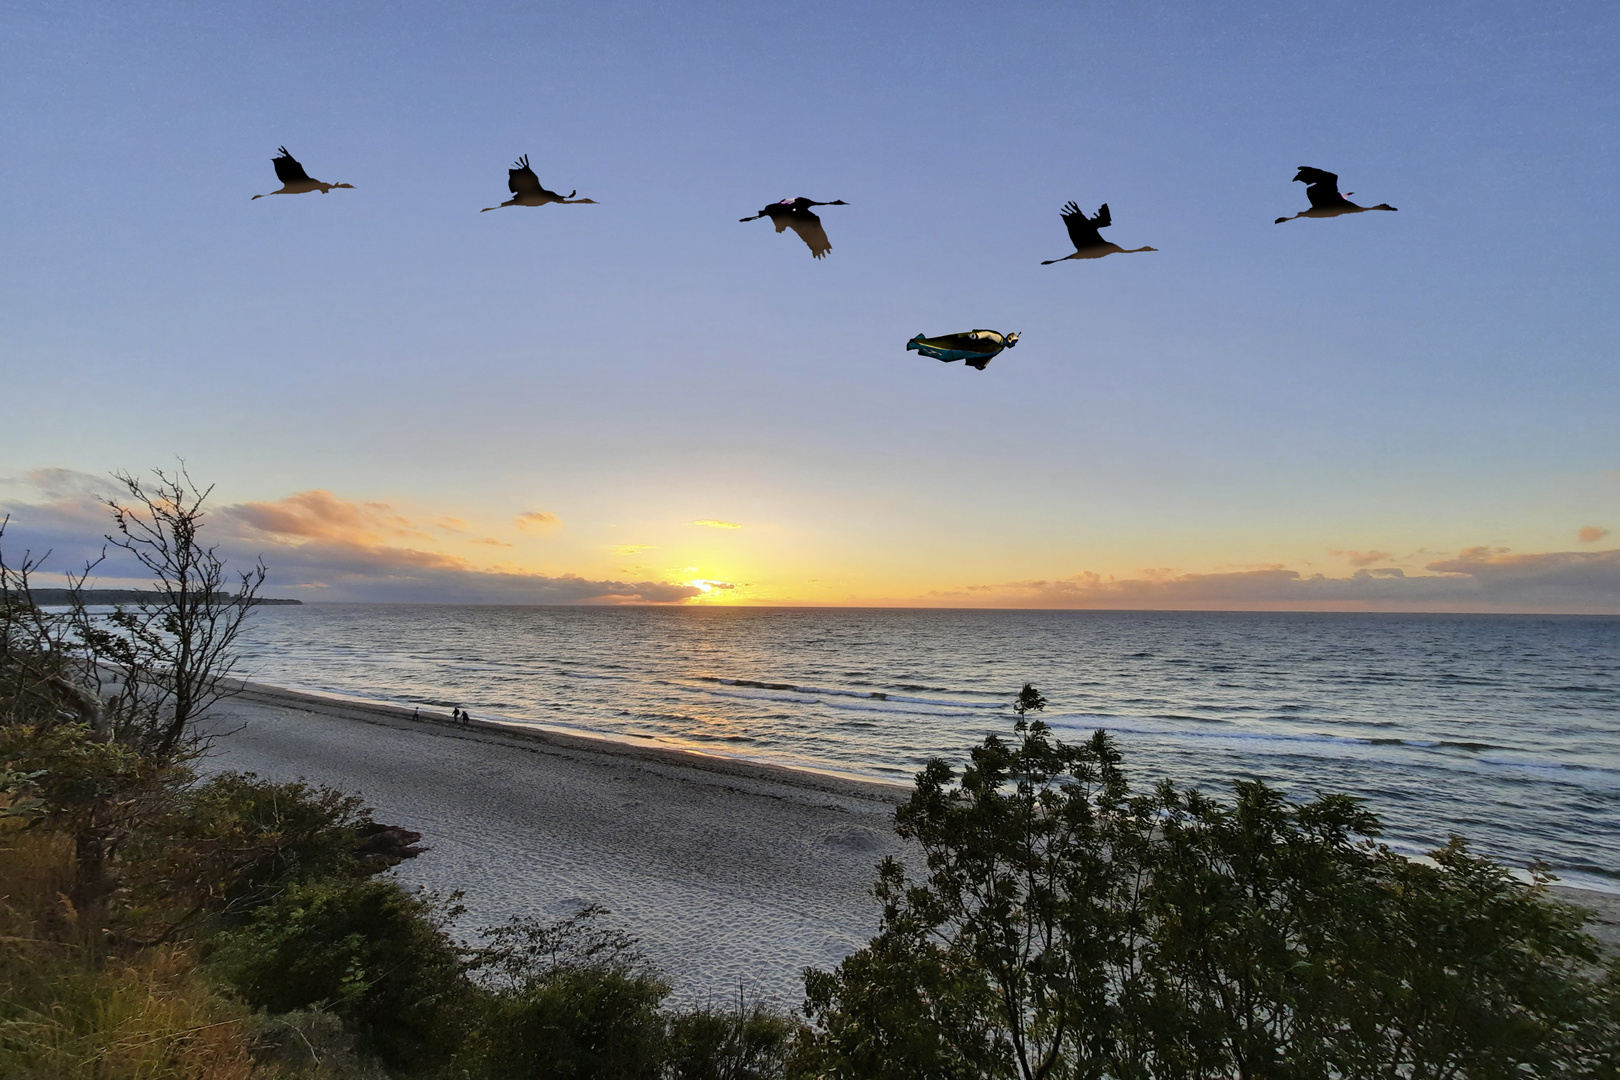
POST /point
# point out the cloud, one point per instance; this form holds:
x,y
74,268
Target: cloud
x,y
70,485
491,541
711,523
399,574
536,519
1363,558
1478,579
322,545
1591,534
1568,578
321,515
631,549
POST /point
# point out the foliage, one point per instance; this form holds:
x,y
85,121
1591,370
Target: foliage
x,y
66,1013
1028,700
745,1042
573,998
96,791
366,950
310,1044
589,1023
1066,928
236,841
526,950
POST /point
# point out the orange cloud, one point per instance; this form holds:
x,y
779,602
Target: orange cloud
x,y
321,515
1591,534
711,523
536,519
631,549
1363,558
319,541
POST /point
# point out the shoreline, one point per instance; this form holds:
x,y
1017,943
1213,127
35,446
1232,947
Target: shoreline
x,y
640,748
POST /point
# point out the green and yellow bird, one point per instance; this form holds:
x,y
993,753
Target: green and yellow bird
x,y
975,347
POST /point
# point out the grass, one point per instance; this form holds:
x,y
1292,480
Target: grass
x,y
68,1011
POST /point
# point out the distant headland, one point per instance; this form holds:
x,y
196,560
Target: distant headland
x,y
58,597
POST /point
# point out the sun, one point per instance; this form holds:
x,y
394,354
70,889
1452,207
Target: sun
x,y
711,590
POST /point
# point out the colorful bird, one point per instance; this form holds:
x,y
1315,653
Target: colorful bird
x,y
1322,188
527,191
976,347
1088,241
294,180
796,214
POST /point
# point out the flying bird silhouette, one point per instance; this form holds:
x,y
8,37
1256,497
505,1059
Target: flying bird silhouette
x,y
294,180
976,347
527,191
796,214
1322,188
1088,241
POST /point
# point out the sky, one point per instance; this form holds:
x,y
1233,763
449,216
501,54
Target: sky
x,y
399,398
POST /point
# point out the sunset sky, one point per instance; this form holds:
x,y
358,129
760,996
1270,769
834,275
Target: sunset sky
x,y
400,398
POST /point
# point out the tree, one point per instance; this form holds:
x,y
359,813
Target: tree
x,y
1029,700
174,654
165,661
1065,928
1013,957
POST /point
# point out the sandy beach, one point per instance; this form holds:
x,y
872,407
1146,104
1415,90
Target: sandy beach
x,y
732,873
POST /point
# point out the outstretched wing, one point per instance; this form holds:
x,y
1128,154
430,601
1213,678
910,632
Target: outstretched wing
x,y
521,179
1321,187
1083,230
288,171
808,226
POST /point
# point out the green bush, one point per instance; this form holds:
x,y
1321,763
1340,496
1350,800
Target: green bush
x,y
1067,928
576,1023
236,841
740,1043
367,951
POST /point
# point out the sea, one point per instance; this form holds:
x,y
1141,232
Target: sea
x,y
1502,729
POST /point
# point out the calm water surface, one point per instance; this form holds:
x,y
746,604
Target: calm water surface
x,y
1505,729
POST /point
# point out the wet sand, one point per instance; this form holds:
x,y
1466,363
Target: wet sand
x,y
732,873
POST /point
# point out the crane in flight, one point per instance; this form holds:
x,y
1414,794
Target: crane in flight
x,y
1322,188
796,214
527,190
294,180
1087,237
